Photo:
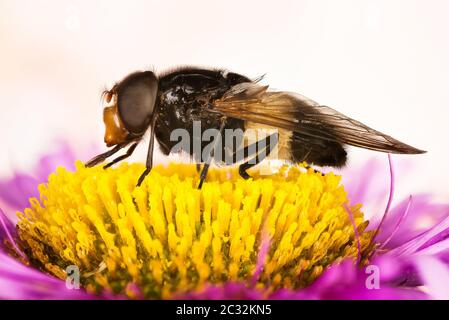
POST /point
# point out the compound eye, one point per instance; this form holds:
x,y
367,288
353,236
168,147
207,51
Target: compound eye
x,y
136,100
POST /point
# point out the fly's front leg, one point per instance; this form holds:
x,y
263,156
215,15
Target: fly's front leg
x,y
128,153
149,163
101,157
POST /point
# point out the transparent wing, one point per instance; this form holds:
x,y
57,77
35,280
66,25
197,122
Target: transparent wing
x,y
290,111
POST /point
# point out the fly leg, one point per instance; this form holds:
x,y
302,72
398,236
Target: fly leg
x,y
149,164
101,157
128,153
307,167
203,174
267,147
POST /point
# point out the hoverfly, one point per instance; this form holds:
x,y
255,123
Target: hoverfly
x,y
218,99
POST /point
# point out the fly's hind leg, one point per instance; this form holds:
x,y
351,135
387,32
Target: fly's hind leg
x,y
307,167
268,145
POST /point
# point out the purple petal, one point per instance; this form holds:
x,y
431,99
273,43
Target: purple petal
x,y
16,191
422,215
7,229
20,282
398,224
420,241
440,249
390,200
438,239
427,260
435,275
342,281
262,255
347,282
363,184
64,157
8,232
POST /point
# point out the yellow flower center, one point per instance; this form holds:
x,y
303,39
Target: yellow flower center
x,y
167,237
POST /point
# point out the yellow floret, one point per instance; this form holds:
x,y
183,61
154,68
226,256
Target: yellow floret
x,y
167,236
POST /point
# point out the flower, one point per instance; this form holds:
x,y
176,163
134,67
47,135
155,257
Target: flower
x,y
168,237
123,251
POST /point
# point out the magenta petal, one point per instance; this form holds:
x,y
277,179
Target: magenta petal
x,y
385,242
421,210
16,191
8,232
7,228
364,184
64,157
20,282
347,282
418,242
440,249
435,276
438,239
261,257
390,269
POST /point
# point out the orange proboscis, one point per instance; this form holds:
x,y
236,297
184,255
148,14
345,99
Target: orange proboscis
x,y
116,132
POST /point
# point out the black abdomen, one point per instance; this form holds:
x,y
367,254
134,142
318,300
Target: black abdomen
x,y
317,151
